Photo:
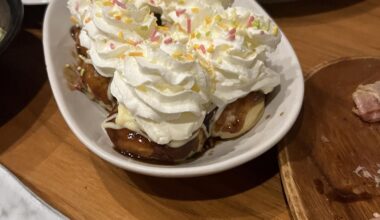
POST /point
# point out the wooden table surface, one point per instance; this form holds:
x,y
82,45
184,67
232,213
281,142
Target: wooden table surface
x,y
37,145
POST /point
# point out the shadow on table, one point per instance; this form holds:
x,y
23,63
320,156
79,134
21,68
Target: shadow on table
x,y
204,190
23,75
306,7
220,185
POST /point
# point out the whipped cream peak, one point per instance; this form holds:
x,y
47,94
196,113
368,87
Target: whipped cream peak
x,y
163,91
110,30
234,45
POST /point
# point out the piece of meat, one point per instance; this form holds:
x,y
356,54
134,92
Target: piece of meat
x,y
367,102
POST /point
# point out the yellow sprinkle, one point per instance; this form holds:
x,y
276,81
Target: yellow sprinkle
x,y
181,2
74,20
211,48
256,24
131,42
162,28
127,20
195,10
107,3
189,57
136,54
122,56
179,27
195,88
177,54
98,14
196,46
275,31
218,18
198,35
121,36
222,25
117,17
235,23
192,35
142,88
208,20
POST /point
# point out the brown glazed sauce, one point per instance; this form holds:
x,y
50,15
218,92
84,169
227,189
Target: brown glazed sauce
x,y
75,31
92,82
137,146
233,117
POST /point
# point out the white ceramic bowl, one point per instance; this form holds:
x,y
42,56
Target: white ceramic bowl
x,y
85,118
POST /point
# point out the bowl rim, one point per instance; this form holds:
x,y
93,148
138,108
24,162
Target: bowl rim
x,y
17,15
172,171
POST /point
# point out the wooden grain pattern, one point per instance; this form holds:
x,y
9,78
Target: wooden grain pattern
x,y
37,145
328,142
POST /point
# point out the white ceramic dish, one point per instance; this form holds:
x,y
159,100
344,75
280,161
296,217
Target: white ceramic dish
x,y
84,117
35,2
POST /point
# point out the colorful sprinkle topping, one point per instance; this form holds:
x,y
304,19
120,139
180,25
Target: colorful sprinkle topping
x,y
119,3
120,35
188,24
202,48
180,12
195,10
136,54
163,28
168,40
232,34
112,46
154,36
250,20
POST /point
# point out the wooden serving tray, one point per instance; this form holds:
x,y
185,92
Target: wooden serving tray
x,y
319,156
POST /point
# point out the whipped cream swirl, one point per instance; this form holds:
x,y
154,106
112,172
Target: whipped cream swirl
x,y
164,88
111,28
232,46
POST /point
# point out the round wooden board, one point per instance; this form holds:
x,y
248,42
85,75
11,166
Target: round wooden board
x,y
328,142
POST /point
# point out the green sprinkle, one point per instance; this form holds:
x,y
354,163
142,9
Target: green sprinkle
x,y
256,24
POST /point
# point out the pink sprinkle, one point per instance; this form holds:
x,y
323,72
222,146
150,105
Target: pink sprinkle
x,y
232,31
232,34
250,20
77,6
188,22
179,12
168,40
203,49
152,2
120,4
154,36
112,46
